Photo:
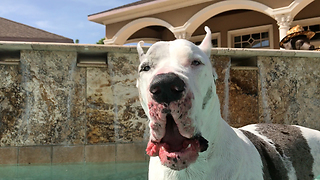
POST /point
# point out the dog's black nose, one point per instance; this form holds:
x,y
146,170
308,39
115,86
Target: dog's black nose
x,y
166,88
312,47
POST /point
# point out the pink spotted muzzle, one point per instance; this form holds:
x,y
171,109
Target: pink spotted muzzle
x,y
172,134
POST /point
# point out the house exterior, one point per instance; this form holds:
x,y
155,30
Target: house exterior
x,y
14,31
234,23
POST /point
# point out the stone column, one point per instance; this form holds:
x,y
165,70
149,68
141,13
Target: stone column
x,y
284,21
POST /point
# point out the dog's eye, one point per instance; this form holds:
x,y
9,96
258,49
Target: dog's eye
x,y
196,62
145,68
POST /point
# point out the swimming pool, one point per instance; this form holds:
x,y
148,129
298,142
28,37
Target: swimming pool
x,y
87,171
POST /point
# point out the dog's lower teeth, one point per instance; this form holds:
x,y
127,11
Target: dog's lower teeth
x,y
189,146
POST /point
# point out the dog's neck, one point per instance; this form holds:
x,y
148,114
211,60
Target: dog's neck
x,y
214,125
221,137
212,117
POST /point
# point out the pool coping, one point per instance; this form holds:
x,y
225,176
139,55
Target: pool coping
x,y
60,154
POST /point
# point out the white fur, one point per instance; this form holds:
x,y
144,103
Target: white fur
x,y
313,139
230,154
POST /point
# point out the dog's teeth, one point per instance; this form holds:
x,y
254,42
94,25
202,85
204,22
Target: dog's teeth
x,y
163,148
189,146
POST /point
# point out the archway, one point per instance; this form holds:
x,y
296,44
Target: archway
x,y
196,20
151,34
129,29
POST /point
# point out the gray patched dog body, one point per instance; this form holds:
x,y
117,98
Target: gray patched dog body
x,y
190,140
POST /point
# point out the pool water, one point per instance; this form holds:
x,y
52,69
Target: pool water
x,y
103,171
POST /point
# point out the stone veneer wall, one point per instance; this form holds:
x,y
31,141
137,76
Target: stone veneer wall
x,y
55,106
291,90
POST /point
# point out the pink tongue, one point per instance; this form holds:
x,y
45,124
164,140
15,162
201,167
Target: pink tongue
x,y
174,150
175,160
172,136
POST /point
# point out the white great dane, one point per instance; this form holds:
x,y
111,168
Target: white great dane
x,y
189,140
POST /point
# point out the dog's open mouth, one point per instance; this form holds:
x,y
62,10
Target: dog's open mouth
x,y
175,150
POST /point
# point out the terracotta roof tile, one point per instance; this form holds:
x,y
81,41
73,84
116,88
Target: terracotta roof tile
x,y
14,31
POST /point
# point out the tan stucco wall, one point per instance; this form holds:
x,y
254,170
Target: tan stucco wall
x,y
112,29
312,10
275,4
180,16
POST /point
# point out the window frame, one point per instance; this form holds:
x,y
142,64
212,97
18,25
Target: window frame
x,y
252,30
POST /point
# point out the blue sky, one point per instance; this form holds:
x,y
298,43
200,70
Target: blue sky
x,y
68,18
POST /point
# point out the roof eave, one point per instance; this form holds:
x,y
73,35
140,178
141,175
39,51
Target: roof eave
x,y
102,17
140,10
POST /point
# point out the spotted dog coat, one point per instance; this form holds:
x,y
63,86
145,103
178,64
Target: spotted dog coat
x,y
189,139
298,43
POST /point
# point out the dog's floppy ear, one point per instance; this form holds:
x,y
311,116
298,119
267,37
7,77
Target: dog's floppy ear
x,y
288,45
206,44
140,50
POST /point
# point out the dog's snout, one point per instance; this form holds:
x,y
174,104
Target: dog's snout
x,y
166,88
312,47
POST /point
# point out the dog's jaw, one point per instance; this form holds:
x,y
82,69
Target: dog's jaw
x,y
172,133
180,112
